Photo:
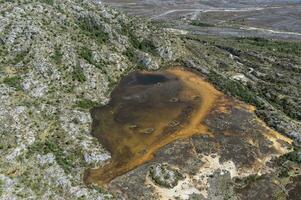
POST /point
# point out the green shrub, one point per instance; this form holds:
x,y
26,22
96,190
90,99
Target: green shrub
x,y
57,55
13,82
286,47
130,54
66,161
78,74
1,187
85,104
127,30
93,30
19,57
49,2
86,54
200,24
147,46
234,88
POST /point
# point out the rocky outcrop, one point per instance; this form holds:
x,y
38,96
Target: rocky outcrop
x,y
165,176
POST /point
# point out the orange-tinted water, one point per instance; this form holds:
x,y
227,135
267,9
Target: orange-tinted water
x,y
147,111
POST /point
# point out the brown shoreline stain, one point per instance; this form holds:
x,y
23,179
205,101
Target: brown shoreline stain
x,y
149,110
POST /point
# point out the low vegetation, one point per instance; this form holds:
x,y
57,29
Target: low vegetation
x,y
49,2
200,24
234,88
266,64
14,82
86,54
93,30
85,104
78,74
285,47
145,45
51,145
57,56
1,187
19,57
148,46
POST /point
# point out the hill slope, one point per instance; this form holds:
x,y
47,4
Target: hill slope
x,y
57,60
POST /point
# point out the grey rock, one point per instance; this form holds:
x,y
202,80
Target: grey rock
x,y
165,176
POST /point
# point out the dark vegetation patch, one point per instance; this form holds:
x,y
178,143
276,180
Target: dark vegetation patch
x,y
93,29
14,81
145,45
130,54
243,182
200,24
19,57
49,2
86,54
286,47
78,73
273,65
148,46
233,51
1,187
57,56
66,160
294,156
234,88
85,104
3,51
129,32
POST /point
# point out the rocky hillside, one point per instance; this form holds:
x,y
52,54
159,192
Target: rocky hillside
x,y
58,58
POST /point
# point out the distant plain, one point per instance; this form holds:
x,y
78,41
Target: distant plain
x,y
278,19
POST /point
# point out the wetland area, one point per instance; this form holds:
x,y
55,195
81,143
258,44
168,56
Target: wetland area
x,y
150,112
